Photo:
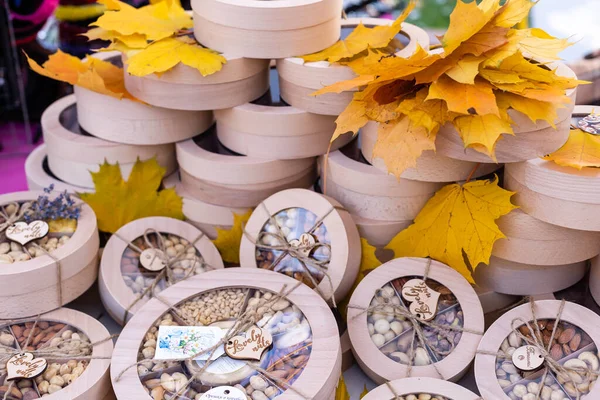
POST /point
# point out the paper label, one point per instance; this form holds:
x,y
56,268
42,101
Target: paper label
x,y
250,346
23,233
223,365
224,393
153,259
24,365
423,299
527,358
185,341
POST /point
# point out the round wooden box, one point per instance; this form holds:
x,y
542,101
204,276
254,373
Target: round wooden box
x,y
123,279
204,216
493,301
379,233
347,356
314,337
531,241
215,175
431,166
370,193
131,122
39,175
298,80
74,379
257,29
291,214
555,194
382,350
33,286
267,129
420,388
73,154
595,279
184,88
576,338
521,279
530,141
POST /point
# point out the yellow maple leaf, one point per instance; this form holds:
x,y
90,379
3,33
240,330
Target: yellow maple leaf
x,y
62,225
341,392
134,41
163,55
361,39
482,132
155,22
117,202
466,20
456,220
582,150
364,392
400,143
536,110
463,98
94,74
228,240
465,70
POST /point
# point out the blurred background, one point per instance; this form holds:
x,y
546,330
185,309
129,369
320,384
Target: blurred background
x,y
40,27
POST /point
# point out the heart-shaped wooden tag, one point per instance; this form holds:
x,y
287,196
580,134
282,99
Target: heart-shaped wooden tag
x,y
305,244
23,233
24,365
153,259
251,346
423,299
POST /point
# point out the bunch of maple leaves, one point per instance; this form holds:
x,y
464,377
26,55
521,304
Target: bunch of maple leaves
x,y
155,38
486,68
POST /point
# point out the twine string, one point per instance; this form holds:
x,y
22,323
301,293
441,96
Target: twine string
x,y
53,351
244,321
18,212
448,332
167,272
300,252
536,339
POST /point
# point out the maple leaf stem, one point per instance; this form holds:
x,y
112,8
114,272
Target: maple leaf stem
x,y
472,172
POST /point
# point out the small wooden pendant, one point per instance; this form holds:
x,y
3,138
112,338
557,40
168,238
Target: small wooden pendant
x,y
250,346
306,243
25,366
423,299
153,259
527,358
23,233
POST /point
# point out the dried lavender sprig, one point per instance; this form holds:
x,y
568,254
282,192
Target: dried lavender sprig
x,y
61,207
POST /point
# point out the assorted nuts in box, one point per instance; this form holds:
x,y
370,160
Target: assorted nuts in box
x,y
48,251
215,175
134,122
307,236
73,153
545,349
420,389
67,354
148,255
299,79
304,360
414,317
